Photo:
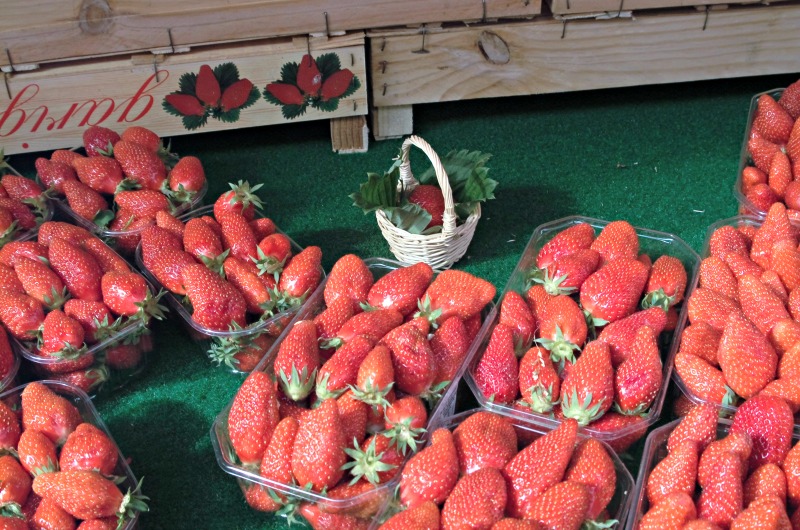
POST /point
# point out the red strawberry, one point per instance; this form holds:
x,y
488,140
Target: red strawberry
x,y
100,173
484,440
539,383
48,412
169,222
564,243
207,86
142,203
429,198
702,379
142,136
666,283
253,417
10,428
40,282
238,237
377,461
79,271
562,328
48,514
297,361
99,141
638,379
497,372
587,391
449,345
670,514
13,250
676,472
309,79
16,483
705,305
62,336
302,274
592,466
105,256
186,104
752,176
785,260
186,178
244,276
140,164
200,241
422,516
714,274
563,505
86,494
412,358
406,419
699,426
613,292
349,278
54,174
20,212
537,299
761,151
772,122
759,304
340,371
167,266
372,324
776,227
37,453
791,468
65,156
276,466
478,500
780,174
332,318
769,423
625,429
87,203
21,189
262,227
721,498
375,377
240,199
216,304
788,389
353,415
273,252
516,313
127,293
401,288
22,315
761,196
9,281
456,293
538,467
620,335
766,512
618,239
746,357
765,480
320,520
567,273
88,448
318,454
509,523
431,474
236,95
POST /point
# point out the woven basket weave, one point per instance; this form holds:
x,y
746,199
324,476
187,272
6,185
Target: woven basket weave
x,y
440,250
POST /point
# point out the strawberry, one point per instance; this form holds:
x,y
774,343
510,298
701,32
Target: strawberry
x,y
321,520
422,516
9,281
238,237
431,474
789,100
618,239
16,483
372,324
263,227
562,328
274,250
167,266
773,282
100,173
341,370
767,512
539,383
456,293
318,452
484,440
40,282
37,453
332,318
565,242
127,293
48,514
87,203
22,189
613,292
253,418
87,494
478,500
564,505
538,467
791,468
714,274
516,314
276,466
705,305
721,498
741,265
670,514
497,371
62,336
207,86
377,461
566,274
241,199
375,377
9,427
785,260
537,298
88,448
780,174
401,288
752,175
412,359
353,415
105,256
509,523
349,278
769,423
65,156
759,304
99,141
761,151
297,360
22,315
429,197
702,379
772,122
302,274
244,276
587,391
216,303
676,472
236,95
142,136
54,174
746,357
48,412
788,389
638,379
140,164
142,203
699,426
79,271
200,241
13,250
592,466
666,283
169,222
449,345
620,335
626,429
761,196
768,479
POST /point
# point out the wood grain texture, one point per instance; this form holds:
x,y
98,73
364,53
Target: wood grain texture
x,y
38,31
50,108
548,56
572,7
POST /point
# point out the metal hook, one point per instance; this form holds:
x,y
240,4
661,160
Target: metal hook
x,y
383,66
10,62
352,60
568,7
483,5
308,45
171,43
8,89
619,11
563,27
384,89
155,70
705,22
422,49
327,29
355,105
383,44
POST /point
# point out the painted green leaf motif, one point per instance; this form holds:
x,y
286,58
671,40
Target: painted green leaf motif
x,y
293,111
378,192
195,122
228,117
289,73
227,74
328,63
169,109
355,84
187,82
326,106
255,95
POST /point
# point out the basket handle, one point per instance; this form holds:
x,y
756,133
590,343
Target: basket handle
x,y
408,180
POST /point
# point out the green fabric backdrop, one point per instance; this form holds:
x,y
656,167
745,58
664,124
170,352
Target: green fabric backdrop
x,y
662,157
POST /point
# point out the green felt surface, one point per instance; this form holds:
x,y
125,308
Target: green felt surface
x,y
662,157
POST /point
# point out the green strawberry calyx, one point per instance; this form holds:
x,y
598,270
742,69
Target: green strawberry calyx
x,y
582,412
366,463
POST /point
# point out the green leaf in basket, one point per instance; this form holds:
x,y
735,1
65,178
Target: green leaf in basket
x,y
467,174
379,192
410,217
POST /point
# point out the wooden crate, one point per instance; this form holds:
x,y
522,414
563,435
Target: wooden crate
x,y
49,108
601,7
38,31
549,55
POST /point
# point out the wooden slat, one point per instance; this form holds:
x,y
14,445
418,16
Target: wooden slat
x,y
547,56
571,7
50,108
37,31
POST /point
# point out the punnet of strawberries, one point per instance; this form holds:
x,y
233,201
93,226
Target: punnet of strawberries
x,y
743,331
770,166
59,466
323,426
240,278
75,307
703,472
584,329
482,470
24,205
122,181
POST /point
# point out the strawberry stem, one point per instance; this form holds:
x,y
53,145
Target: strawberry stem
x,y
132,502
365,463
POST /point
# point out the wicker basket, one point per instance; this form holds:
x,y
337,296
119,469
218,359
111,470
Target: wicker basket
x,y
440,250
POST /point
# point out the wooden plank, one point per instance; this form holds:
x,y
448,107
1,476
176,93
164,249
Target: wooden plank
x,y
49,108
571,7
392,122
350,135
38,31
547,56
